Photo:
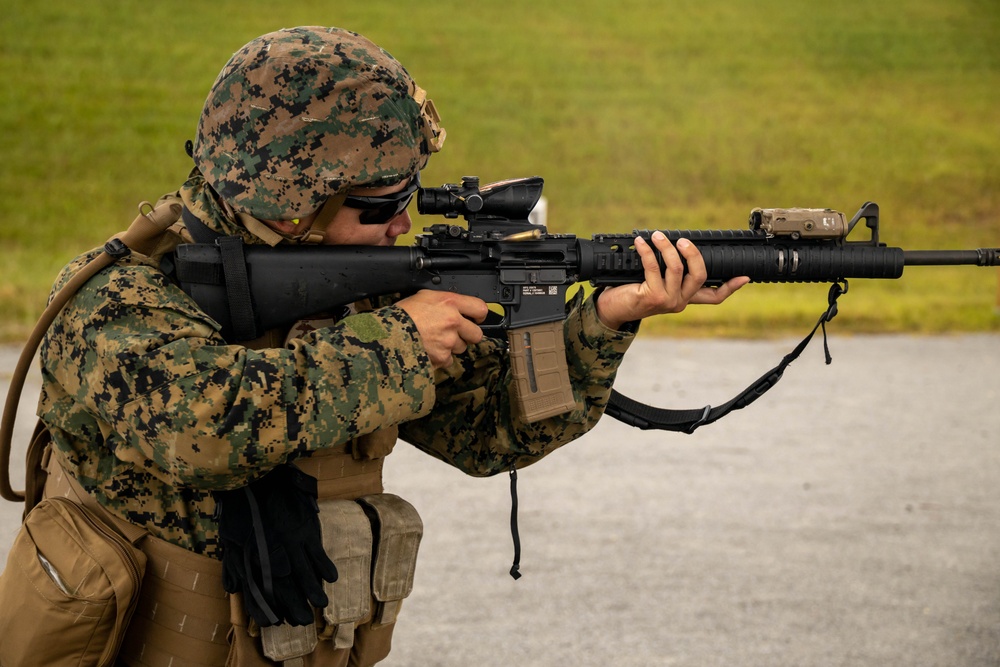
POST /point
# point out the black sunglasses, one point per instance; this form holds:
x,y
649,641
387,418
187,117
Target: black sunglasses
x,y
380,210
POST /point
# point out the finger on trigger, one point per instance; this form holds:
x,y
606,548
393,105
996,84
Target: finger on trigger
x,y
473,308
469,332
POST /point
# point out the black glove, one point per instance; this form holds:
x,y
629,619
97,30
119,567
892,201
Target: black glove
x,y
272,547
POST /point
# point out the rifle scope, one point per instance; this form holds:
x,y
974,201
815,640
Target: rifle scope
x,y
512,199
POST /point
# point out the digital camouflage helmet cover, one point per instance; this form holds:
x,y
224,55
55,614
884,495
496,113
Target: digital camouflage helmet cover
x,y
302,114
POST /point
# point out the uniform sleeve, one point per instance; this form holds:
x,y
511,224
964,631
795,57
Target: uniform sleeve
x,y
170,396
475,425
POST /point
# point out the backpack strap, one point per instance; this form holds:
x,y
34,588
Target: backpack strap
x,y
36,465
61,483
142,236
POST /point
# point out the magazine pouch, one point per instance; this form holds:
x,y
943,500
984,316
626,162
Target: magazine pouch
x,y
397,530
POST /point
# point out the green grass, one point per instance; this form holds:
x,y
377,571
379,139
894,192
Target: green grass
x,y
638,114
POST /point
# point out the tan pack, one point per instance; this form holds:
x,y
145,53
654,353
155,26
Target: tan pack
x,y
69,589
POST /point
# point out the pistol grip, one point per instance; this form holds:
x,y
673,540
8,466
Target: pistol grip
x,y
541,378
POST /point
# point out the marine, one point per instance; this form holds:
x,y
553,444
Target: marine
x,y
251,470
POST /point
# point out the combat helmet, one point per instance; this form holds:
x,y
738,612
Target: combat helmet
x,y
301,115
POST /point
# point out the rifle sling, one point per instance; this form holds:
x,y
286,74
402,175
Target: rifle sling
x,y
648,417
234,270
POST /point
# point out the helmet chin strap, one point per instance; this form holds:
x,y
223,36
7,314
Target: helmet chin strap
x,y
324,217
310,234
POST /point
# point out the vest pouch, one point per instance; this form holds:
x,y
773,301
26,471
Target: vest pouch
x,y
397,529
69,589
347,539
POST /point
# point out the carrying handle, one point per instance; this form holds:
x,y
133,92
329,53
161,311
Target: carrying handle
x,y
142,236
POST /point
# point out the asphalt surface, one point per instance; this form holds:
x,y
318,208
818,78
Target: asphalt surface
x,y
849,517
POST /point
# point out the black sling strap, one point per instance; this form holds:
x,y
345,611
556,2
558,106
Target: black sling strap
x,y
234,269
231,273
647,417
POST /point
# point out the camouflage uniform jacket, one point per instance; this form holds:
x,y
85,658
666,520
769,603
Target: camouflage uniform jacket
x,y
151,410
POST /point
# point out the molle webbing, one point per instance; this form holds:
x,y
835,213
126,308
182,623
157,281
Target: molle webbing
x,y
177,579
340,476
183,616
184,613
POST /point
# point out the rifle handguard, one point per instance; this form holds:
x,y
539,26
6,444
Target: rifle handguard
x,y
541,377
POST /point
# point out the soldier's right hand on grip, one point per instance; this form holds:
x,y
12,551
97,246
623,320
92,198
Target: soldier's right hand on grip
x,y
272,547
447,322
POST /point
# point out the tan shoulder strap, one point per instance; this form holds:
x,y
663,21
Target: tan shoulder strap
x,y
36,466
60,483
142,236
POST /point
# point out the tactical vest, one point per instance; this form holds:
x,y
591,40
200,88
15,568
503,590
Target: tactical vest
x,y
363,602
184,616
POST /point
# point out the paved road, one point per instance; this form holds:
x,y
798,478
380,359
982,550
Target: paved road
x,y
850,517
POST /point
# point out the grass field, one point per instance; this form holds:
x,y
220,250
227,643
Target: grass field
x,y
638,114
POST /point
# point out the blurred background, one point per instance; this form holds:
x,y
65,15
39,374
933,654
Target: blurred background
x,y
638,114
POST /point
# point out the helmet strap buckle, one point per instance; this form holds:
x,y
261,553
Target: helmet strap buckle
x,y
317,230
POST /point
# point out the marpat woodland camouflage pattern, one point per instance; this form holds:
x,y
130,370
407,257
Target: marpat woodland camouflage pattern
x,y
302,114
151,410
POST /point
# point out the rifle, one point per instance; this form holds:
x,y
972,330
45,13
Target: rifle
x,y
503,258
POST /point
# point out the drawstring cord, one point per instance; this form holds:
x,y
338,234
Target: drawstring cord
x,y
515,568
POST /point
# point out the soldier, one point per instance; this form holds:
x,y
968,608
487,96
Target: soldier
x,y
219,451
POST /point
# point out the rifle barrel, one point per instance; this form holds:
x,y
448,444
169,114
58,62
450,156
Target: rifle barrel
x,y
979,257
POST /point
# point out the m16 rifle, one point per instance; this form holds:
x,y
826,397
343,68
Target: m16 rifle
x,y
503,258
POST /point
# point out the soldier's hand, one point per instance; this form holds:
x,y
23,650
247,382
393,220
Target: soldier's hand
x,y
667,292
447,322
